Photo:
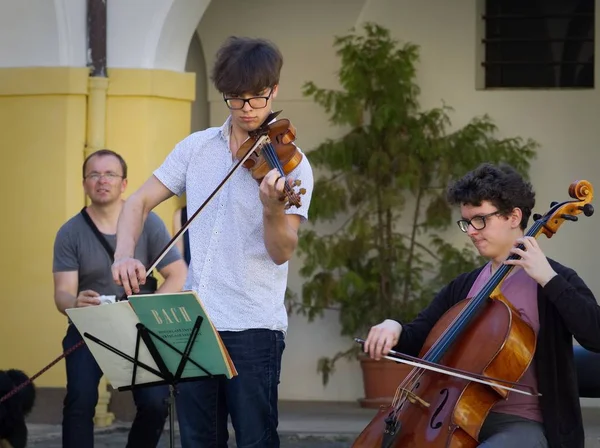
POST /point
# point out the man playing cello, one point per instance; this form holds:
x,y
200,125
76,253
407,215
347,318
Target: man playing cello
x,y
495,204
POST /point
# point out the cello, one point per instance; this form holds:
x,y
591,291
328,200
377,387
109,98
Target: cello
x,y
444,401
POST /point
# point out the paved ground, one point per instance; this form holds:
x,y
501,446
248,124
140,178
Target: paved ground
x,y
118,438
302,425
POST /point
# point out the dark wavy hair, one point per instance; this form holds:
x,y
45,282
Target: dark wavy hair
x,y
499,184
246,65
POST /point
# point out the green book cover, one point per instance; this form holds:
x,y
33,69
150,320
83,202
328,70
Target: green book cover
x,y
172,316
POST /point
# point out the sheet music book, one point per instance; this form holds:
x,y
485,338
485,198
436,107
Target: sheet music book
x,y
171,316
114,324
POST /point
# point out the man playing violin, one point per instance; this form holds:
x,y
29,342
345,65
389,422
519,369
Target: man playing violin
x,y
495,204
240,244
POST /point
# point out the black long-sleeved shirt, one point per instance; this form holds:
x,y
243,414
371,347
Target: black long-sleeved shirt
x,y
567,308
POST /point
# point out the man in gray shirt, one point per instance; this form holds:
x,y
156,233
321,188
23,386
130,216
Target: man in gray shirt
x,y
82,273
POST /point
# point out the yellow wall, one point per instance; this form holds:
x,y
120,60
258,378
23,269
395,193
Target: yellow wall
x,y
42,146
148,112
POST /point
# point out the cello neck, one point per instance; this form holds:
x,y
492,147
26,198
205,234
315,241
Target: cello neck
x,y
476,305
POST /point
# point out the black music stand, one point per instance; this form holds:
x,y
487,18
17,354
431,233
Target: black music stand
x,y
169,378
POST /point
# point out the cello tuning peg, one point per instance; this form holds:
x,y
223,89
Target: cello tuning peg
x,y
536,216
553,203
588,209
569,217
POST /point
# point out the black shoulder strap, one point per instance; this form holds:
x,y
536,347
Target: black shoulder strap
x,y
99,235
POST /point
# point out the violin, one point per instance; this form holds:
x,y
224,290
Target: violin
x,y
273,147
445,399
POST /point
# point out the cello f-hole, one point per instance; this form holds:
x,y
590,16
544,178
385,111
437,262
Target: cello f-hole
x,y
432,423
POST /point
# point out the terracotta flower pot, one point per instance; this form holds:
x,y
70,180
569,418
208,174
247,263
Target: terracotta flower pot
x,y
381,379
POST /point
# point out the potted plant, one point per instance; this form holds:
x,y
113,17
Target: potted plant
x,y
384,180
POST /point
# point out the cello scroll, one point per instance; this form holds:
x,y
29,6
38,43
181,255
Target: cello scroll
x,y
581,190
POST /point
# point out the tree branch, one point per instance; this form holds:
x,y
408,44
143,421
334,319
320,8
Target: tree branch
x,y
425,248
413,237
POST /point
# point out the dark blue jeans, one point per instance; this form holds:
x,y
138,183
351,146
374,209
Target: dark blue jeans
x,y
83,377
250,398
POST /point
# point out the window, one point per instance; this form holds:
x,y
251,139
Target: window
x,y
538,43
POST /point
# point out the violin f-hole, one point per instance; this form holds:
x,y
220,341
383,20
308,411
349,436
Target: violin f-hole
x,y
432,423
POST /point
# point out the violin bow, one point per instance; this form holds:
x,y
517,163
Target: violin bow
x,y
470,376
259,142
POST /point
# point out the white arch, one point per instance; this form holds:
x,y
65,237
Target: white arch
x,y
152,34
177,32
43,33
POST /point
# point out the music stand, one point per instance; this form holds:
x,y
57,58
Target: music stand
x,y
116,328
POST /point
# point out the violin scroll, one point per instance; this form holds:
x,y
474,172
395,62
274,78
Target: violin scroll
x,y
583,193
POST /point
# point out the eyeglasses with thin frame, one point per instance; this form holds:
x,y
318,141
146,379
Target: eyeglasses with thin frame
x,y
478,222
97,176
255,102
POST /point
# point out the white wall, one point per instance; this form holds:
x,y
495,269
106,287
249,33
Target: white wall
x,y
563,122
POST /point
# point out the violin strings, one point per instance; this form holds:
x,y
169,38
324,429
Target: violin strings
x,y
273,161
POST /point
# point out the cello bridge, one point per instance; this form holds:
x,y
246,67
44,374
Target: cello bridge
x,y
414,398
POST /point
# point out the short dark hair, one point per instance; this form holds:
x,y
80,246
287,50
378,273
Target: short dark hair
x,y
499,184
106,152
246,65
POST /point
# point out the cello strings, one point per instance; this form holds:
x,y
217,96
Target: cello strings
x,y
453,331
457,325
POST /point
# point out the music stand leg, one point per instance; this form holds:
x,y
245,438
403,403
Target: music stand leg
x,y
171,401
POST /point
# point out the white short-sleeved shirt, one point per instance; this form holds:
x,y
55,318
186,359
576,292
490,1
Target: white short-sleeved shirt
x,y
236,279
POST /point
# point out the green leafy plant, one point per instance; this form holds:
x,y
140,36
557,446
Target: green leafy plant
x,y
385,180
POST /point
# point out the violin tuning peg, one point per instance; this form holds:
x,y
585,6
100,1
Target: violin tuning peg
x,y
302,190
588,209
297,182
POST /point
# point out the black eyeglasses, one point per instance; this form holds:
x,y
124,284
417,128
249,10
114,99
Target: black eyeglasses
x,y
255,102
478,222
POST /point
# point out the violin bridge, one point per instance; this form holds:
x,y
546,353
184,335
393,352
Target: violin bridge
x,y
415,399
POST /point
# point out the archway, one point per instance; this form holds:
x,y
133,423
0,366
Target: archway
x,y
196,63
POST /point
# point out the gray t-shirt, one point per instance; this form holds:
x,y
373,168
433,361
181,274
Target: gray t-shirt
x,y
76,248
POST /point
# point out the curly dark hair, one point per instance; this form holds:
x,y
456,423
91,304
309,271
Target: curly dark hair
x,y
499,184
246,65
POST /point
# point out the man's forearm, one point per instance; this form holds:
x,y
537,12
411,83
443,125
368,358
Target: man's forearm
x,y
174,278
64,300
280,239
129,226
